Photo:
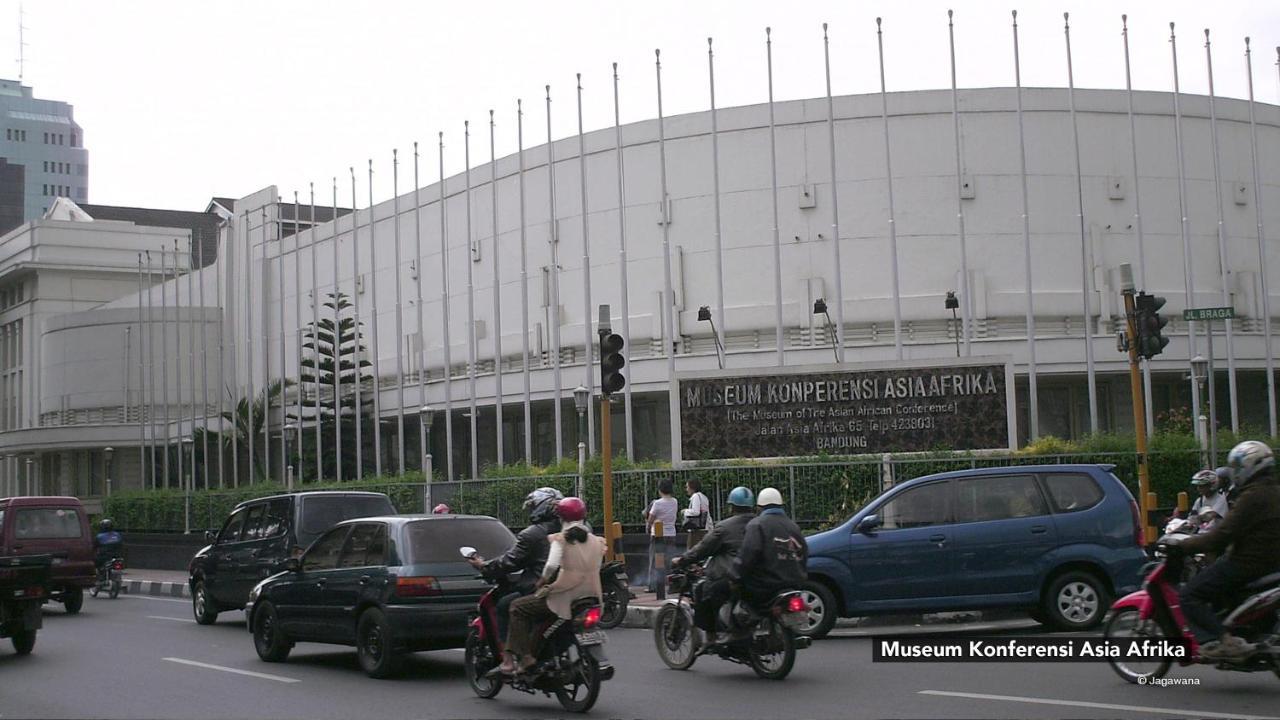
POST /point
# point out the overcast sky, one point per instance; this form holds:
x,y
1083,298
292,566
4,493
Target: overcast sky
x,y
184,100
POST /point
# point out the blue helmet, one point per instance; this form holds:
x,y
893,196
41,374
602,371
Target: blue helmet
x,y
742,497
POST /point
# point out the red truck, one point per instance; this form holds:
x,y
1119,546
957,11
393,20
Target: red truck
x,y
57,527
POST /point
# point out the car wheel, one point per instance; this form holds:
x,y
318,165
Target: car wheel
x,y
268,639
375,645
203,606
822,609
24,642
73,600
1076,601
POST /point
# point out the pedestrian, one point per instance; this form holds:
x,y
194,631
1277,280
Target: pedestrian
x,y
664,510
697,517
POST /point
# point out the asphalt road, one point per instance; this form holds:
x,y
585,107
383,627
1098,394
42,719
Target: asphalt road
x,y
139,657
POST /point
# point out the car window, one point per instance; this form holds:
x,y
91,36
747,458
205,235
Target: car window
x,y
46,524
231,531
253,524
918,507
321,512
1,525
998,498
276,521
365,546
323,555
438,540
1071,492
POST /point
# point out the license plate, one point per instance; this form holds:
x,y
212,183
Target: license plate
x,y
621,576
592,638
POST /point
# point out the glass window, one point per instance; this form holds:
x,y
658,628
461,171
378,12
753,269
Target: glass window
x,y
1071,492
998,498
321,512
366,546
253,525
918,507
432,541
46,524
1,523
276,521
323,555
231,531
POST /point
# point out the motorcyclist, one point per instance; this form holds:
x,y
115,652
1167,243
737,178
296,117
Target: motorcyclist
x,y
1251,531
1206,482
108,544
1224,481
721,544
441,509
529,553
773,553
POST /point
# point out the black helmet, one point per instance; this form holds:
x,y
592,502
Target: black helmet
x,y
105,525
541,503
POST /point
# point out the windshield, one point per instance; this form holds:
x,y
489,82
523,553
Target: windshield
x,y
432,541
46,524
321,512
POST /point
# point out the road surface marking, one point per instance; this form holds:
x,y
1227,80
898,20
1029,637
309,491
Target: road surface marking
x,y
166,617
1177,712
148,597
250,673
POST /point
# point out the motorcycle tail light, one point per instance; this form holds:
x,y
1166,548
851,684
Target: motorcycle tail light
x,y
796,604
117,565
591,618
33,591
419,586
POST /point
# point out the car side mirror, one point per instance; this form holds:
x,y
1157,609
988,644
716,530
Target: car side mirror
x,y
292,565
867,524
210,536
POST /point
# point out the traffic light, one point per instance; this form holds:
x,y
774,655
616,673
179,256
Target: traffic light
x,y
611,363
1150,325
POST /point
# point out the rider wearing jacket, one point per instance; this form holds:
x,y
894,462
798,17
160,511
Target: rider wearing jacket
x,y
108,544
529,553
722,545
1251,531
773,554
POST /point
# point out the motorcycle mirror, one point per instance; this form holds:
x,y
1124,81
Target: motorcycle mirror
x,y
467,551
210,535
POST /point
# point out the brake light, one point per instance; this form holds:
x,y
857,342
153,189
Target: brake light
x,y
1138,536
33,592
796,604
117,565
419,586
591,618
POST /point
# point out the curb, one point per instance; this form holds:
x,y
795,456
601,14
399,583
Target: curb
x,y
156,588
641,616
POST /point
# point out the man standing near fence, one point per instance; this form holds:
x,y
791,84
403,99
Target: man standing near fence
x,y
697,517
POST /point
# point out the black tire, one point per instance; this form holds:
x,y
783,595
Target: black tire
x,y
1076,600
478,661
823,610
115,589
24,641
613,606
1123,625
73,600
268,639
375,645
773,656
93,591
203,606
584,689
675,637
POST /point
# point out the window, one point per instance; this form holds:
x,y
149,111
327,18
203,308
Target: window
x,y
366,546
73,140
46,138
1072,493
231,531
253,525
46,523
323,555
321,512
918,507
431,541
277,519
23,134
998,498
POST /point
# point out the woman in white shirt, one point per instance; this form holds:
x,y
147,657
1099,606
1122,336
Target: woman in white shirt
x,y
697,517
664,510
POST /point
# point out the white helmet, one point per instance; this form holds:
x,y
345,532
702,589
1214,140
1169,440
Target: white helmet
x,y
769,496
1248,460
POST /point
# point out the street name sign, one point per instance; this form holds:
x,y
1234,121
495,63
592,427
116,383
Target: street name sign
x,y
1213,313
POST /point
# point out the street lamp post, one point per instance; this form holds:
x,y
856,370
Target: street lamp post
x,y
704,315
286,437
820,308
581,396
188,443
425,416
29,462
1200,368
952,304
107,452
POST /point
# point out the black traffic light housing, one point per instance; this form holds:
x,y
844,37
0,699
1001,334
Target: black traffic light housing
x,y
611,363
1150,326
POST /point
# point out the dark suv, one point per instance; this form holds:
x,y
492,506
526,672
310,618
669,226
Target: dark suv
x,y
259,535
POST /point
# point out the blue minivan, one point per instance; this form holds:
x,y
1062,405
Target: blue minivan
x,y
1057,540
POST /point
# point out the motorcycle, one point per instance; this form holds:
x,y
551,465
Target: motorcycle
x,y
571,662
615,594
766,641
110,578
1188,526
1155,613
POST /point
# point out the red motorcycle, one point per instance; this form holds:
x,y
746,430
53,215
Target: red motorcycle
x,y
571,662
1155,613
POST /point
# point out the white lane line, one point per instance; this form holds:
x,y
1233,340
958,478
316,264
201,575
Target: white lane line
x,y
250,673
166,617
1176,712
148,597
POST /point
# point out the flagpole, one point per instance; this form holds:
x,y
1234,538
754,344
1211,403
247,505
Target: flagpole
x,y
471,304
1188,275
284,362
337,338
151,341
588,344
377,349
297,322
395,266
1222,239
266,339
1033,411
966,305
164,349
888,176
444,318
191,354
250,399
1137,215
719,330
777,240
423,450
835,194
358,381
623,271
497,295
524,290
225,266
1262,245
1086,265
668,305
177,348
554,315
315,336
144,410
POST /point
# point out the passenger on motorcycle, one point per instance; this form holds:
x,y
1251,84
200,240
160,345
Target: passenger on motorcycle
x,y
108,544
1251,531
721,545
571,572
773,553
1206,482
528,555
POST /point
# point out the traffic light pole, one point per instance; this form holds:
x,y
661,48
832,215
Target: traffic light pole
x,y
1139,414
606,473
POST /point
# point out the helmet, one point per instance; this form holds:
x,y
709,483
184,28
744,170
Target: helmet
x,y
571,509
1248,460
1223,474
541,503
769,496
1204,477
441,509
105,525
742,497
